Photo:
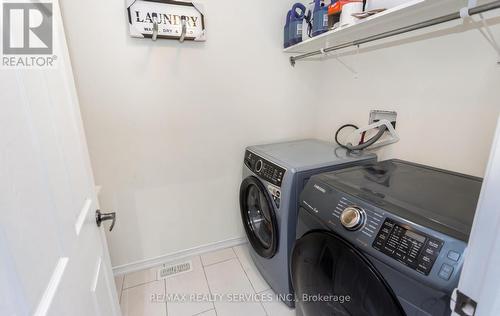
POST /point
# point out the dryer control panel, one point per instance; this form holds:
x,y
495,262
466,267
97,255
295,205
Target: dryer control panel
x,y
264,169
408,246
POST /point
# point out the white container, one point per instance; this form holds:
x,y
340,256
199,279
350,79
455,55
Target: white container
x,y
346,17
383,4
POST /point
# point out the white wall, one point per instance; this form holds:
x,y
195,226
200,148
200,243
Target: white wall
x,y
167,123
443,82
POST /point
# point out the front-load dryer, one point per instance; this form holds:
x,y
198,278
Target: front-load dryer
x,y
273,177
390,236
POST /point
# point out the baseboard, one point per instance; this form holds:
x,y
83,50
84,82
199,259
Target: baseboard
x,y
179,255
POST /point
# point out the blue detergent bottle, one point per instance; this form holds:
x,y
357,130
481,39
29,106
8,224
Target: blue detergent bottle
x,y
296,20
286,30
320,17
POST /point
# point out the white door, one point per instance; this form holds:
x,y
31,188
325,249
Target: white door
x,y
480,278
53,257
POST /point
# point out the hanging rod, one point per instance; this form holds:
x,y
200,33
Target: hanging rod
x,y
446,18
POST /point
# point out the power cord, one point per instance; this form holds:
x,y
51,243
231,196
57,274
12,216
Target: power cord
x,y
340,129
363,144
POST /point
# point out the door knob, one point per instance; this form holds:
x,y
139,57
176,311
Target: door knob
x,y
101,217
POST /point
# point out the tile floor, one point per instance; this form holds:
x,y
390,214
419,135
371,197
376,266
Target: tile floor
x,y
228,273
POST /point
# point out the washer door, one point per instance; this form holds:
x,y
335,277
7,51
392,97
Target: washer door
x,y
259,219
326,269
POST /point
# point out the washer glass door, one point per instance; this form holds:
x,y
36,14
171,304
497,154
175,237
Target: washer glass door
x,y
331,277
258,217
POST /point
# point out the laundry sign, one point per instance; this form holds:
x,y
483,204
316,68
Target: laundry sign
x,y
166,19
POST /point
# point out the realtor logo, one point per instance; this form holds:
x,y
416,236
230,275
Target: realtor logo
x,y
27,34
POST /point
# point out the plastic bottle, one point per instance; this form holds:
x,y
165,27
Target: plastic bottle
x,y
320,17
296,20
286,30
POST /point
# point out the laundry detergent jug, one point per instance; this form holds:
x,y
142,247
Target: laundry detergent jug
x,y
320,17
286,30
296,21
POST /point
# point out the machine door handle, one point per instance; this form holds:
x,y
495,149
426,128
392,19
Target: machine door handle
x,y
101,217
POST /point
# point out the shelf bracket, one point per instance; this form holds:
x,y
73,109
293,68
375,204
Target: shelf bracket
x,y
485,30
489,37
343,63
346,66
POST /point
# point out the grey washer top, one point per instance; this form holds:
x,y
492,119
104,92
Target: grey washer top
x,y
442,200
307,154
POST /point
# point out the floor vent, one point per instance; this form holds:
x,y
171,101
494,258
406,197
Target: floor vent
x,y
176,269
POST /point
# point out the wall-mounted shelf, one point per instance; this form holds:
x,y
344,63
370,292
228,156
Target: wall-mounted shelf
x,y
413,13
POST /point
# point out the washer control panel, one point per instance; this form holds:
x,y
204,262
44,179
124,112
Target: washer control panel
x,y
408,246
264,169
425,255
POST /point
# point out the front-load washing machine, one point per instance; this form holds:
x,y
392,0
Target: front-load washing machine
x,y
273,177
390,236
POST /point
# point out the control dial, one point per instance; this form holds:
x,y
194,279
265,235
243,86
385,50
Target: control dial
x,y
258,165
352,218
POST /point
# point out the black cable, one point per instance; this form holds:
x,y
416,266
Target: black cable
x,y
338,131
369,142
309,20
364,145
